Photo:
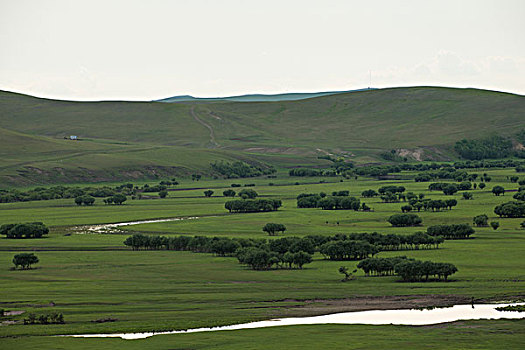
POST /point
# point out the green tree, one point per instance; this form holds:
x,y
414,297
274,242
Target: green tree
x,y
498,190
208,193
25,260
481,220
272,228
494,225
163,194
228,193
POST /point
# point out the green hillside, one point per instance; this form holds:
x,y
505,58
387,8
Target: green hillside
x,y
147,139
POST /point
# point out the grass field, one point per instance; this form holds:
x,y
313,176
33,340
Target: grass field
x,y
93,276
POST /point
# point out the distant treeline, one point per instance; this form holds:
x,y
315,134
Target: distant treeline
x,y
409,270
60,192
240,169
252,205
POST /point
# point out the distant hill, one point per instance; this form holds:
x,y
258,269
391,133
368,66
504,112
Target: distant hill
x,y
126,140
256,97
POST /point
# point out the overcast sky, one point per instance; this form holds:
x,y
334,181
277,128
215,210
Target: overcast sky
x,y
142,50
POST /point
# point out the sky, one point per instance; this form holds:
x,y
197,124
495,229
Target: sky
x,y
144,50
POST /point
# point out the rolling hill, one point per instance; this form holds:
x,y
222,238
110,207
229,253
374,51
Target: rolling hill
x,y
150,139
256,97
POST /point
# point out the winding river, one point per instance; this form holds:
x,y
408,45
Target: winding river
x,y
413,317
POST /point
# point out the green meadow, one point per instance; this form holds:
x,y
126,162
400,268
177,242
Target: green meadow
x,y
89,277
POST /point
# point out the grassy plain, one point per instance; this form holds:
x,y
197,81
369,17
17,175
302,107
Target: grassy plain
x,y
93,276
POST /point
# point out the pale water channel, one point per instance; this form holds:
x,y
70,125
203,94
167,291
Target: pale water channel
x,y
412,317
108,228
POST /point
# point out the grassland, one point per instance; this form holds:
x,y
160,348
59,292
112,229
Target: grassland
x,y
141,140
92,276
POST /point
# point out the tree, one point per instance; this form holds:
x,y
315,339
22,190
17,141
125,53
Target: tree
x,y
467,195
450,189
498,190
514,179
272,228
348,275
482,185
519,196
85,199
228,193
494,225
248,193
402,220
301,258
208,193
406,208
481,220
163,194
25,260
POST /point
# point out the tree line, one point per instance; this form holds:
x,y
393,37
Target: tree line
x,y
259,254
238,169
24,230
252,205
410,270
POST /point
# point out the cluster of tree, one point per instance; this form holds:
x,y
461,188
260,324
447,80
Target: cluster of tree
x,y
260,254
429,204
311,172
449,188
341,202
409,270
393,156
154,188
24,230
375,171
117,199
61,192
248,193
272,228
52,318
389,242
208,193
348,250
252,205
196,244
481,220
25,260
85,199
229,193
262,259
404,220
446,172
491,147
338,201
478,164
241,169
520,195
369,193
453,231
510,210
